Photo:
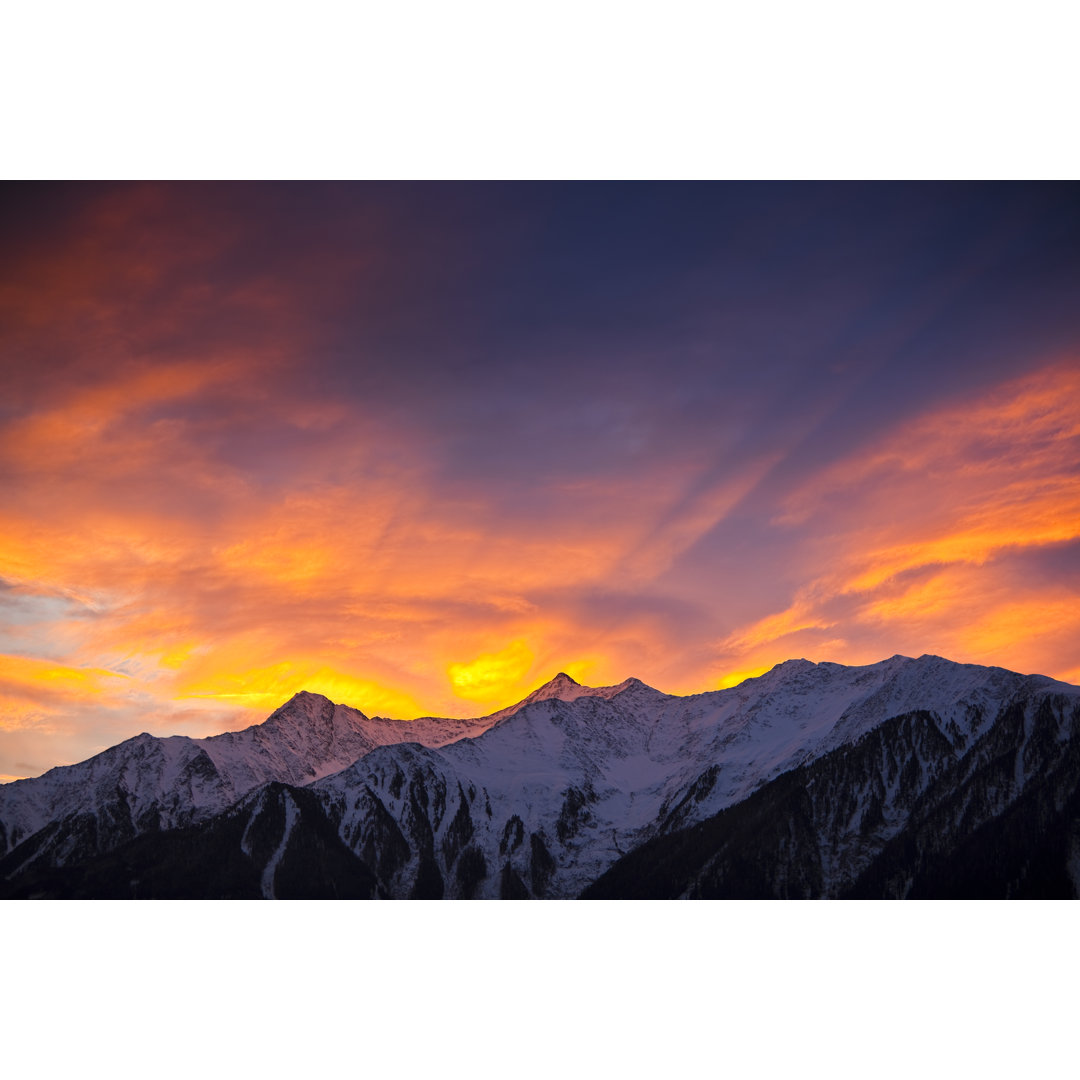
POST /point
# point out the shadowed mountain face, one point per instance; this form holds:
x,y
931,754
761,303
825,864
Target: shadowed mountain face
x,y
903,778
275,844
901,813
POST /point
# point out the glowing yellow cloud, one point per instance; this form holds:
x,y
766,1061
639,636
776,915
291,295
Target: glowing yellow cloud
x,y
31,689
266,688
733,678
30,673
490,677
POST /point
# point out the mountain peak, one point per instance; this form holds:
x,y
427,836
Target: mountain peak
x,y
564,688
638,690
561,687
303,707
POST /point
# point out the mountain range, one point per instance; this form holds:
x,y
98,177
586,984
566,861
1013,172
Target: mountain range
x,y
906,778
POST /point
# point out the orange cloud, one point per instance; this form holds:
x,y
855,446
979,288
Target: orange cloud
x,y
1021,431
29,674
77,423
32,690
917,533
361,587
800,616
1027,626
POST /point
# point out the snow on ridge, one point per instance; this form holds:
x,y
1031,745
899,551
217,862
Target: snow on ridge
x,y
636,762
636,746
564,688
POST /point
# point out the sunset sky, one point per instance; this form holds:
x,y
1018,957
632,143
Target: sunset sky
x,y
419,447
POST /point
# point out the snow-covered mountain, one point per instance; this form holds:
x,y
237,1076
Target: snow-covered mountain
x,y
149,784
814,774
